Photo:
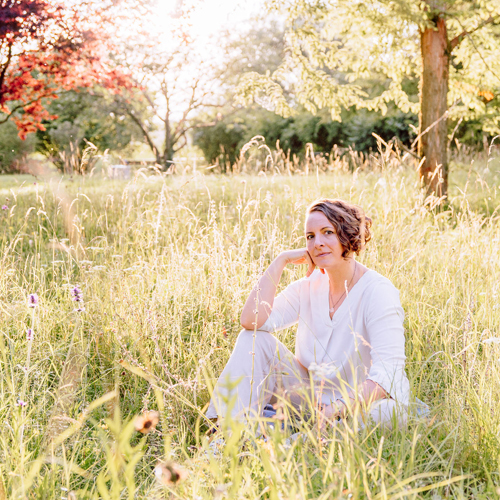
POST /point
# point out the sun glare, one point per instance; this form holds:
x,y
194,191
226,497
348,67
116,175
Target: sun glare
x,y
208,17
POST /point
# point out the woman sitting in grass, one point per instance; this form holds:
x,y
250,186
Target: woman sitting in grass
x,y
350,344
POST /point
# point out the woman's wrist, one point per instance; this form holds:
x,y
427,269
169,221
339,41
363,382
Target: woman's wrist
x,y
281,260
341,408
336,410
344,406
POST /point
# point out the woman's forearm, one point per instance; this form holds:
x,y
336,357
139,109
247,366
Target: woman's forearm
x,y
369,392
366,394
259,304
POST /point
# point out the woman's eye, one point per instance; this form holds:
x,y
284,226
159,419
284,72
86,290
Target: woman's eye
x,y
329,232
309,236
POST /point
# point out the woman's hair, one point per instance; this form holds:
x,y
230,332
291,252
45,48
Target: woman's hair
x,y
350,222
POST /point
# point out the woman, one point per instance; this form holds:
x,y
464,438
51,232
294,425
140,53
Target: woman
x,y
350,337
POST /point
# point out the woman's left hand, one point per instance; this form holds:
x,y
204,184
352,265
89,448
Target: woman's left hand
x,y
334,411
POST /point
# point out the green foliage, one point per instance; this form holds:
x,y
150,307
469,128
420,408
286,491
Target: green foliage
x,y
261,49
333,46
83,114
121,460
13,150
224,141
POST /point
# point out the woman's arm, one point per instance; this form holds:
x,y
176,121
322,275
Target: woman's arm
x,y
367,393
260,302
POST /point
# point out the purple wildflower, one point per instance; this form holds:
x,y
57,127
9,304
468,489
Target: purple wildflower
x,y
77,294
33,300
5,207
21,403
29,334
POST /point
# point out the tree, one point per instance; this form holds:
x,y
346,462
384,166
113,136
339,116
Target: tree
x,y
84,115
261,49
451,46
173,84
47,47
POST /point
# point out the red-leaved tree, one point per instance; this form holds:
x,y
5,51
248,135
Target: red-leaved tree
x,y
47,47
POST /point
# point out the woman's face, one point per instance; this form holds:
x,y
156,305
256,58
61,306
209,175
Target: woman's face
x,y
322,242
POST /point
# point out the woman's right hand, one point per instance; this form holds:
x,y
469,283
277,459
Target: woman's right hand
x,y
298,257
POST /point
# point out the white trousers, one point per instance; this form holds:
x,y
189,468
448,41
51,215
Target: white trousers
x,y
261,368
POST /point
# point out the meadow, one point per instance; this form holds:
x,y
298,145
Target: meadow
x,y
164,264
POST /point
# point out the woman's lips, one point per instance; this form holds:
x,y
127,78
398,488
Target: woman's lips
x,y
323,254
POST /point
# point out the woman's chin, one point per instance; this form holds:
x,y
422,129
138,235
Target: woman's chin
x,y
327,266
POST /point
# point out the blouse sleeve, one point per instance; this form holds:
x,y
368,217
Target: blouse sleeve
x,y
384,325
286,309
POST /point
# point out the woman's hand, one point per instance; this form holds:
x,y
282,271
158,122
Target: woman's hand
x,y
335,410
298,257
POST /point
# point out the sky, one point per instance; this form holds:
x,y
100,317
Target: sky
x,y
213,15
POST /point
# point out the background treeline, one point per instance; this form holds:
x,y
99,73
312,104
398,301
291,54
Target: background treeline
x,y
125,128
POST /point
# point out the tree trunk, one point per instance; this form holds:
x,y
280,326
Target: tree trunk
x,y
167,160
433,108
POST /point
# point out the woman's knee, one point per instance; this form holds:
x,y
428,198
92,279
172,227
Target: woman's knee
x,y
251,340
388,413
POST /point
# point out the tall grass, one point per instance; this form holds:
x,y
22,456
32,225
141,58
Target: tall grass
x,y
165,264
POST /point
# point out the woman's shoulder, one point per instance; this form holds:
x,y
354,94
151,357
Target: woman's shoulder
x,y
380,298
379,286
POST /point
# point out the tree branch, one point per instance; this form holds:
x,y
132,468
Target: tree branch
x,y
181,146
23,105
179,129
143,130
458,39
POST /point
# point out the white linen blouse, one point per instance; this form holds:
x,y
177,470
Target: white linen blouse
x,y
363,341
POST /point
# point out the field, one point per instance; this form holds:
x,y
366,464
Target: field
x,y
164,264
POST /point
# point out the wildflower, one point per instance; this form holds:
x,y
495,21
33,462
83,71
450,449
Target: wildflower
x,y
170,474
21,403
77,294
322,371
5,207
33,300
146,422
29,334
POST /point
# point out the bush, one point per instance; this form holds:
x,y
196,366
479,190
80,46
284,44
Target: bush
x,y
223,141
13,150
